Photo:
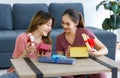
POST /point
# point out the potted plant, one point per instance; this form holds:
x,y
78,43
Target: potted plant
x,y
113,22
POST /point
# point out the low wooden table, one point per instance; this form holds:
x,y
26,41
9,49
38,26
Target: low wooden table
x,y
82,66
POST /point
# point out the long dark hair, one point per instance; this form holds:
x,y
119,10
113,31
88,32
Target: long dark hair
x,y
40,18
75,17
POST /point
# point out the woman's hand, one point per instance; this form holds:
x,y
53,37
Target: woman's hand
x,y
92,51
67,53
100,49
39,54
29,49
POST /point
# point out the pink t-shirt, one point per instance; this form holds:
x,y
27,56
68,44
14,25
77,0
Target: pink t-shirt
x,y
62,44
20,46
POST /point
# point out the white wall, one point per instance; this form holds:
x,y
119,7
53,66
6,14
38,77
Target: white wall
x,y
92,17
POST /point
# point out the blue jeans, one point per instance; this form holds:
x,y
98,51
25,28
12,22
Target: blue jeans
x,y
10,75
15,75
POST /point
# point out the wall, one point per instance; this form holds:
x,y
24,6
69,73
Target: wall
x,y
117,31
92,17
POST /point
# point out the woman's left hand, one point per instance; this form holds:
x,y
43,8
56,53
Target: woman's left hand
x,y
93,52
39,54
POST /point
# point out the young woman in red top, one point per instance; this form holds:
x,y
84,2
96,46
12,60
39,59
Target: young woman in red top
x,y
73,25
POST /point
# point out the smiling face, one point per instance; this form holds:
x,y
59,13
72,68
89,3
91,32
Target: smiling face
x,y
67,24
44,29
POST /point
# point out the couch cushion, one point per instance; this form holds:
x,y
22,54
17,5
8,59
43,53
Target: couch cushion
x,y
6,22
8,40
5,60
57,9
54,33
22,14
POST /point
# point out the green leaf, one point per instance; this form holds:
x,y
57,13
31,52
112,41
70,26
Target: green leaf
x,y
106,24
118,10
115,21
98,5
114,8
107,6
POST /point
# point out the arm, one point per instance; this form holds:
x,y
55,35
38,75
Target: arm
x,y
19,51
22,48
60,52
27,50
100,48
67,52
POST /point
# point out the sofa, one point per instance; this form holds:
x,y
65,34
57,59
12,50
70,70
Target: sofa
x,y
15,19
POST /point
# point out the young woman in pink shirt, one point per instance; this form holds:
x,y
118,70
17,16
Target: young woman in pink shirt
x,y
73,25
39,30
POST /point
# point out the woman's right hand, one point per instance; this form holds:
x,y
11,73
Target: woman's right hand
x,y
29,48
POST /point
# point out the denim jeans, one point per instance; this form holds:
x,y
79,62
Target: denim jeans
x,y
10,75
15,75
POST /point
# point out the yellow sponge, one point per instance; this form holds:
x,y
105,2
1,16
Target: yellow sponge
x,y
79,52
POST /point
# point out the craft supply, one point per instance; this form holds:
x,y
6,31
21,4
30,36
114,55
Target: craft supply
x,y
43,48
79,52
82,51
86,42
31,39
57,59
